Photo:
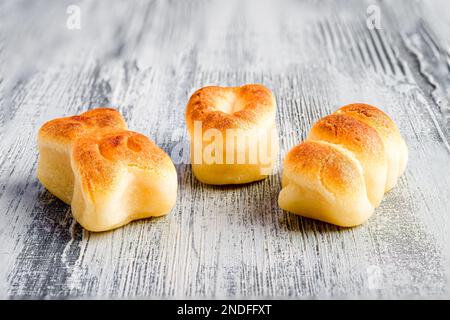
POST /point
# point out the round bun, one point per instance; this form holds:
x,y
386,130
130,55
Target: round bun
x,y
233,133
322,182
394,145
120,176
340,174
363,142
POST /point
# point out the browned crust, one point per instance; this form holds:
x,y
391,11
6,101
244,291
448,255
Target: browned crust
x,y
259,106
372,116
312,160
351,133
98,157
66,130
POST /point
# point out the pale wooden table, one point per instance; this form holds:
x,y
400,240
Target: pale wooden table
x,y
146,58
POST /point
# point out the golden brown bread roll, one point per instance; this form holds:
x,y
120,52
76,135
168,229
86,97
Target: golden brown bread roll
x,y
233,134
340,174
120,176
394,145
364,144
55,139
109,175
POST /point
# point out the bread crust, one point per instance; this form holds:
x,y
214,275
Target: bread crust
x,y
370,115
363,142
394,145
98,158
67,129
254,104
316,160
347,131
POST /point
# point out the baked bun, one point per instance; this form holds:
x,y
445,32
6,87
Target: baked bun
x,y
394,145
120,176
340,174
233,133
55,139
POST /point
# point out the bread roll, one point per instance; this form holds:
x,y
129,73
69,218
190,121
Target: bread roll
x,y
233,133
394,145
340,174
363,142
55,139
120,176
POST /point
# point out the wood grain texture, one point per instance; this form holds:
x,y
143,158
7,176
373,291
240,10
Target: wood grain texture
x,y
145,58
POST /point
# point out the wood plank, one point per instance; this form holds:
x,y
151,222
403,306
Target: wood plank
x,y
146,58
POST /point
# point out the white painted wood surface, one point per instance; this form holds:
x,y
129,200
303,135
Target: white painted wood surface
x,y
146,58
